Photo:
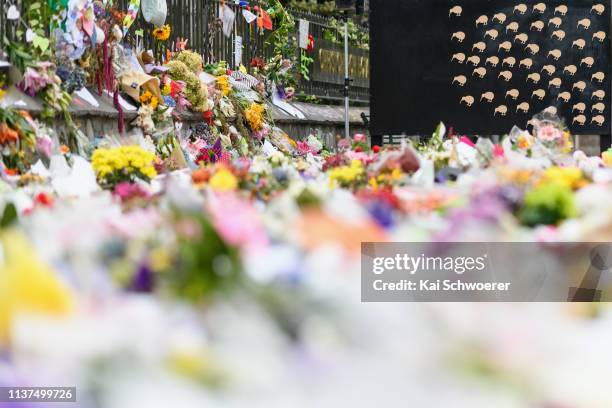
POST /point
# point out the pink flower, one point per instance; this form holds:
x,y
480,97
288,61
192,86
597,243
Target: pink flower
x,y
304,148
549,133
360,138
33,81
362,156
344,144
467,141
237,222
498,151
44,145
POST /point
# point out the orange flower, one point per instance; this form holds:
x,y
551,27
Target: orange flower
x,y
64,149
7,135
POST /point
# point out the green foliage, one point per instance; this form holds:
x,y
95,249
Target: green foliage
x,y
548,204
193,89
193,60
205,264
357,36
305,63
9,216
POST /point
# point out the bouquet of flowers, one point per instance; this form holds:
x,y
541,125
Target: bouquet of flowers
x,y
17,140
123,164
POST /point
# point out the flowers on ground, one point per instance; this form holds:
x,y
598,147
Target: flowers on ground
x,y
223,180
147,98
27,285
123,164
223,85
346,176
254,115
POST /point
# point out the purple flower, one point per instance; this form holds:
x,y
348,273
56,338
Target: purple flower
x,y
143,280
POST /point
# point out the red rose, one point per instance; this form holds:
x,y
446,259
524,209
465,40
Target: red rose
x,y
376,148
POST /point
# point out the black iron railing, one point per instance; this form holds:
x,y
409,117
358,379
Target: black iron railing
x,y
198,21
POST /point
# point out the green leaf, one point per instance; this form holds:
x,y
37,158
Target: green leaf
x,y
41,42
9,216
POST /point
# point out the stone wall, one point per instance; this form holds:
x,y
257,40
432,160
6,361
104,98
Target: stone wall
x,y
324,120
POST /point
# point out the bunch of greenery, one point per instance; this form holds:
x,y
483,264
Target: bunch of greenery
x,y
194,91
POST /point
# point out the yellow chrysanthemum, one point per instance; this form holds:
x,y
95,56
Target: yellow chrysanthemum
x,y
346,175
223,85
254,115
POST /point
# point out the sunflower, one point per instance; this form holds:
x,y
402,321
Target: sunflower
x,y
162,33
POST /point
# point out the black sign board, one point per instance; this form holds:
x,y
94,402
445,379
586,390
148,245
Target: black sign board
x,y
483,66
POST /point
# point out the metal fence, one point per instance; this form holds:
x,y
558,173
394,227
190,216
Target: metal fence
x,y
198,21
